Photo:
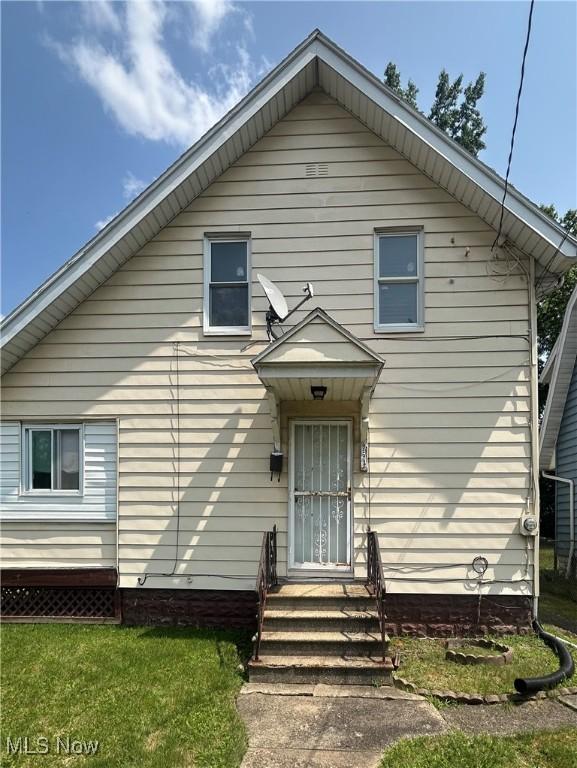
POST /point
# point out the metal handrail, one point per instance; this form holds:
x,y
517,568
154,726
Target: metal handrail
x,y
376,582
266,578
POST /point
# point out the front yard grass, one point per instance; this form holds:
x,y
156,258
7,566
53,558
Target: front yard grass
x,y
423,663
544,749
150,697
558,599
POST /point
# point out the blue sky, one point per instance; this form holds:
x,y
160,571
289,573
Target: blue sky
x,y
98,98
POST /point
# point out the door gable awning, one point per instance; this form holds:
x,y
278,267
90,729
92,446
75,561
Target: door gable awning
x,y
318,350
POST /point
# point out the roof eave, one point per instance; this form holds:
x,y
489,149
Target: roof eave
x,y
536,219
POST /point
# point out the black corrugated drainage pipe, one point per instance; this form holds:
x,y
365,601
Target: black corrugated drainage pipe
x,y
529,685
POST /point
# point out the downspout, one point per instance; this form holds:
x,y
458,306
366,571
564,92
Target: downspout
x,y
118,594
534,427
571,484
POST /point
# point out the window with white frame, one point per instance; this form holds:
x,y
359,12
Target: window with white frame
x,y
52,458
399,281
227,285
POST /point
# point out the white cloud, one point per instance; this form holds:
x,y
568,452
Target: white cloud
x,y
208,15
136,79
131,186
103,222
101,13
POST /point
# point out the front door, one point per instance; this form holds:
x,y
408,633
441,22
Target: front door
x,y
320,487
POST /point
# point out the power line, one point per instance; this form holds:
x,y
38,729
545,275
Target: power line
x,y
546,267
515,124
176,397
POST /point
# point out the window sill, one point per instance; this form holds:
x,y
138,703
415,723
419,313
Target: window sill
x,y
38,494
227,332
399,328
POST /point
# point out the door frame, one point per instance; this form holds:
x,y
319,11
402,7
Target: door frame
x,y
312,568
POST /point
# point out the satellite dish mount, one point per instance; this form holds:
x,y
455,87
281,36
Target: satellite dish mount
x,y
278,310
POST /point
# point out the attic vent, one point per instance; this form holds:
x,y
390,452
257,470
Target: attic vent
x,y
316,169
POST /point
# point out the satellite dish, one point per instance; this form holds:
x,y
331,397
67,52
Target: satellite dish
x,y
278,309
274,295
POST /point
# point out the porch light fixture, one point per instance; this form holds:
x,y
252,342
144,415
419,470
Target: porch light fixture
x,y
318,392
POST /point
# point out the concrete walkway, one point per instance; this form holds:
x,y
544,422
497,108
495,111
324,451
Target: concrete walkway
x,y
323,726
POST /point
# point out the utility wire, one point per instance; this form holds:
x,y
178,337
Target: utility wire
x,y
546,267
176,397
515,123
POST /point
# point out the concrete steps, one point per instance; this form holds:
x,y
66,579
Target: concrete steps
x,y
320,669
317,597
346,620
307,643
321,633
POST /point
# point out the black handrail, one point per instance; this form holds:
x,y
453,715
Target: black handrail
x,y
376,582
266,578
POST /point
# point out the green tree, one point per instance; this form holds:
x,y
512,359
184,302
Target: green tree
x,y
454,109
393,80
551,310
468,128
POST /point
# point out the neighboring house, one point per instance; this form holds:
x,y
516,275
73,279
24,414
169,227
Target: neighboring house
x,y
559,435
142,400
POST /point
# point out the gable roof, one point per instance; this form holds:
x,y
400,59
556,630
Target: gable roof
x,y
558,373
318,350
349,349
316,62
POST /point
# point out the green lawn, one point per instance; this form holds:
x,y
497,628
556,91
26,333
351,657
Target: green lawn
x,y
150,697
542,749
555,583
546,555
558,599
423,663
553,606
564,634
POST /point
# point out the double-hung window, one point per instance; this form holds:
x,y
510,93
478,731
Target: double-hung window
x,y
399,281
227,284
52,458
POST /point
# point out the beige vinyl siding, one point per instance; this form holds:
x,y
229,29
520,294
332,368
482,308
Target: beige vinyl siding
x,y
55,531
449,421
58,545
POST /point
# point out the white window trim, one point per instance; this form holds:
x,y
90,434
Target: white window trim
x,y
419,326
221,330
26,463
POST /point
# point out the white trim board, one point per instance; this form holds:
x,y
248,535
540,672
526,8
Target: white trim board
x,y
209,239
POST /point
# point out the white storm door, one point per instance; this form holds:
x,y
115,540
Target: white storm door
x,y
320,525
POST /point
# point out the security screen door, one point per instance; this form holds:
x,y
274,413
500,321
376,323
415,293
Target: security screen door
x,y
321,495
